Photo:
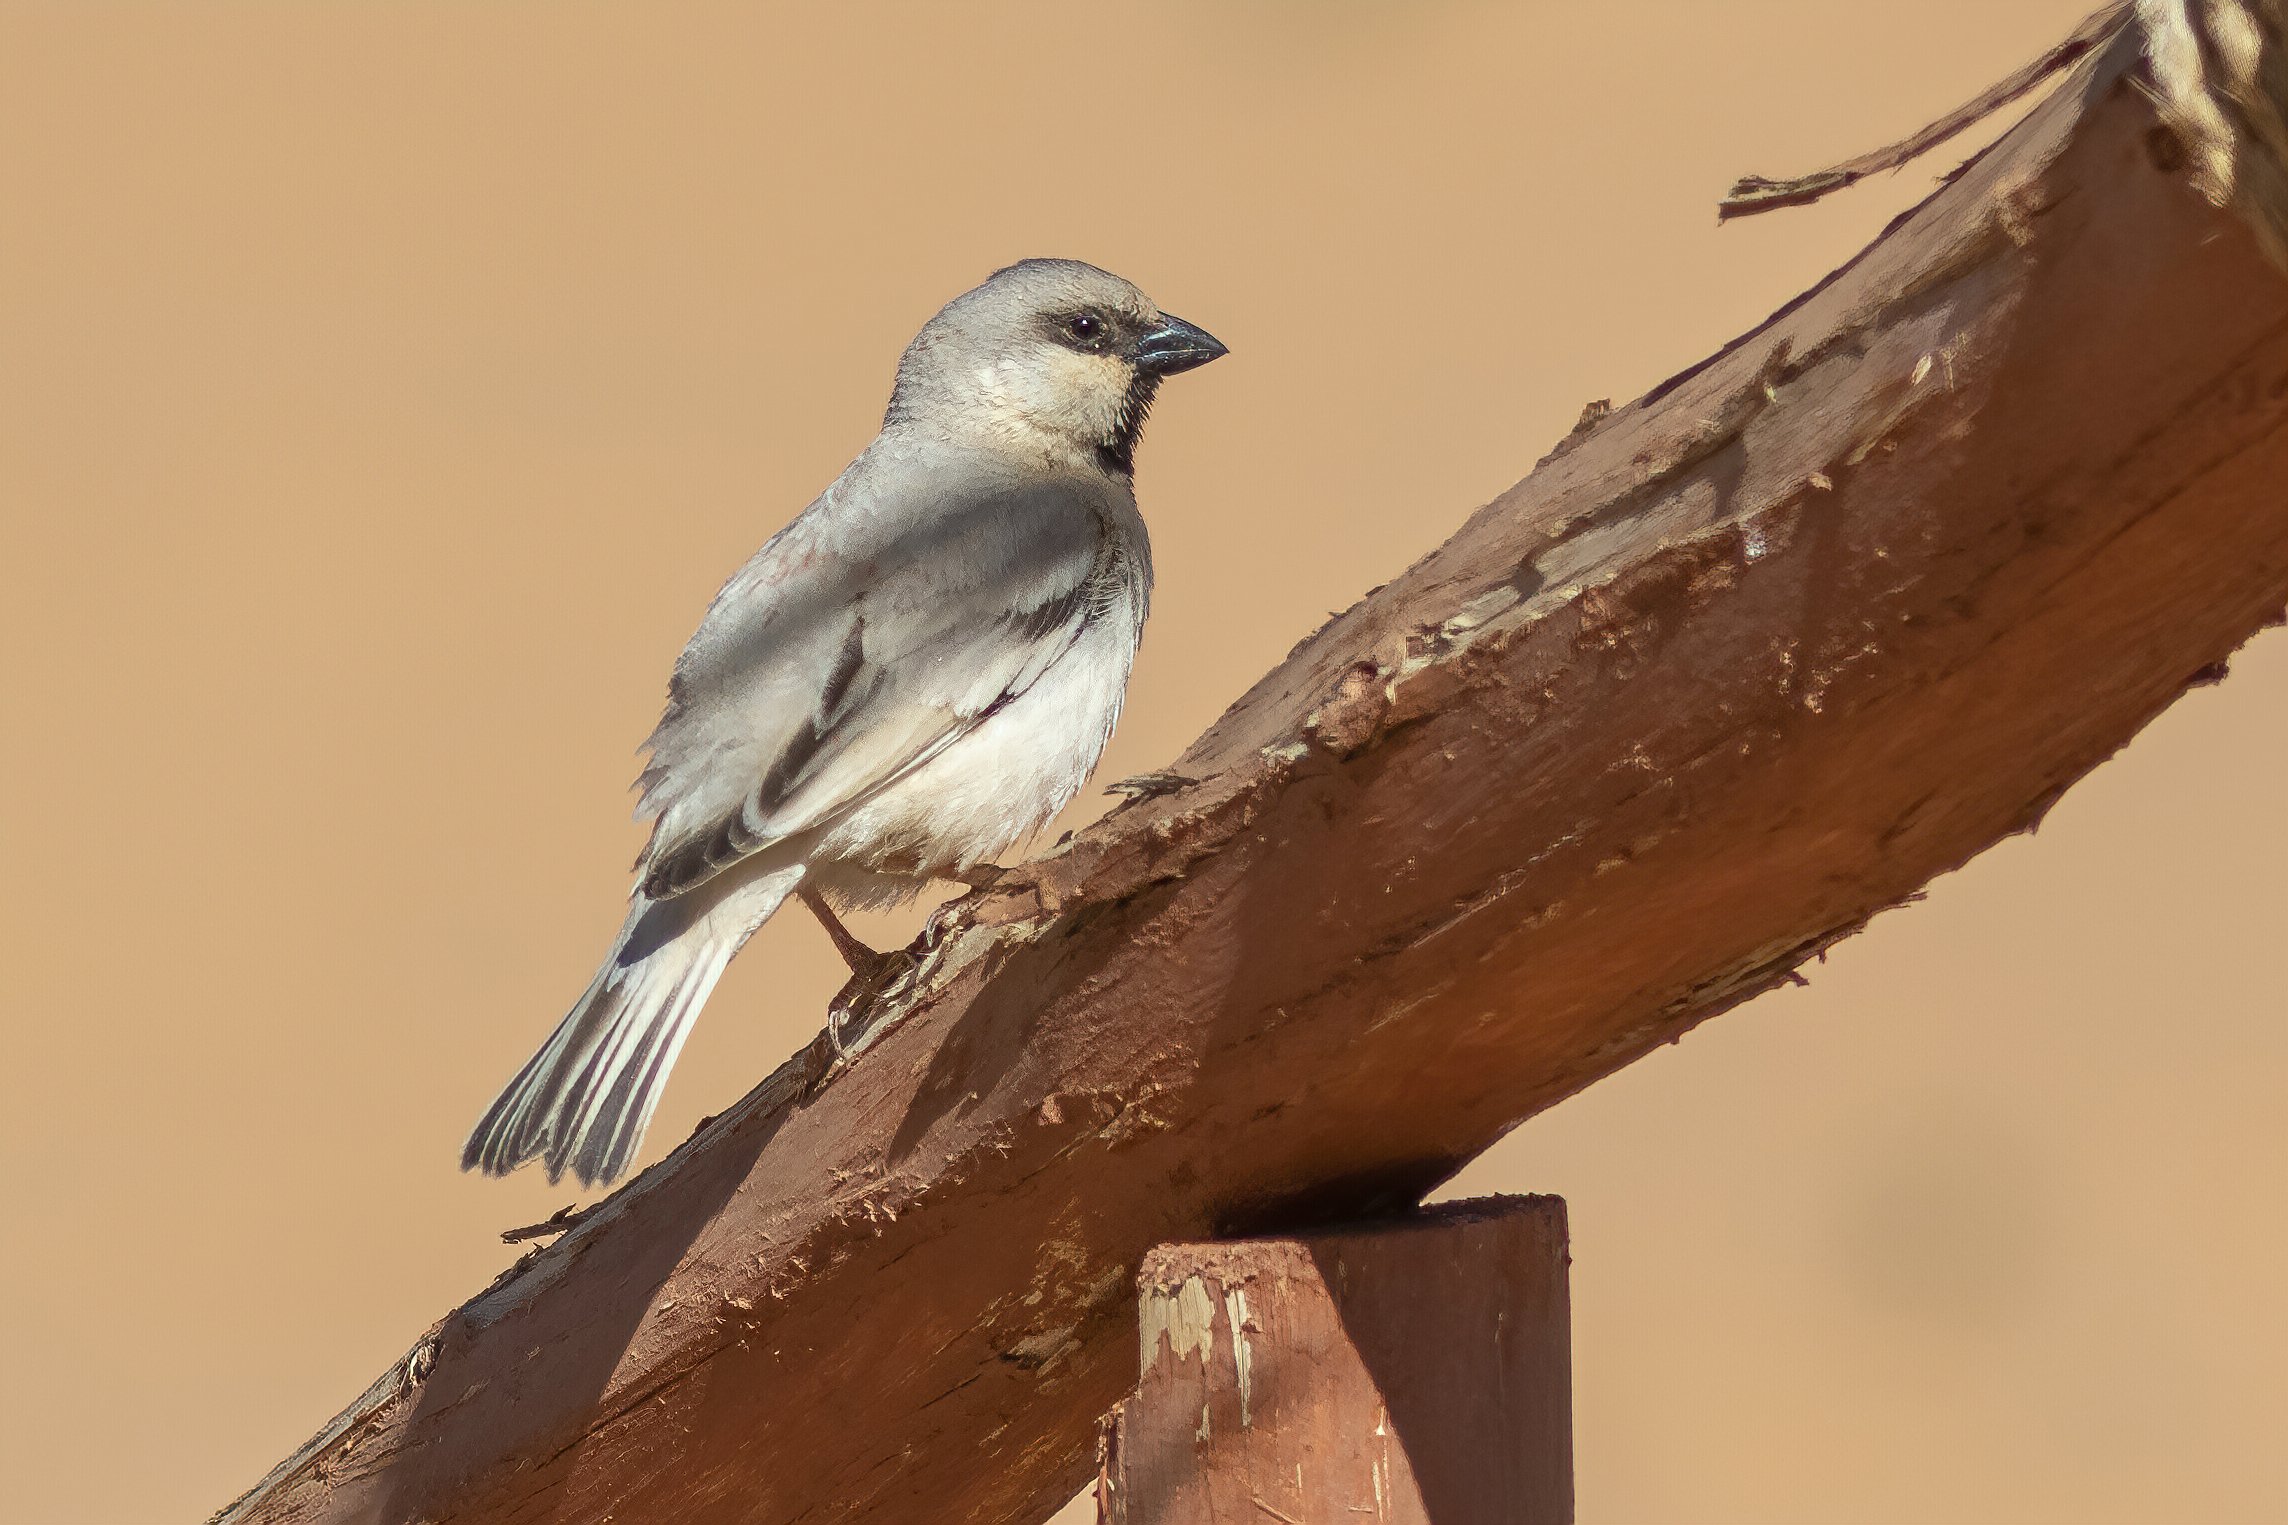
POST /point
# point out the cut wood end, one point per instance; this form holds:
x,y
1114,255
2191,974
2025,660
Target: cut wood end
x,y
2219,79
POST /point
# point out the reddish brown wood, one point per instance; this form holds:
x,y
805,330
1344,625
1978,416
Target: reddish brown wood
x,y
1744,663
1415,1371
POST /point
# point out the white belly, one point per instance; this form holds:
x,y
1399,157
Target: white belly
x,y
995,786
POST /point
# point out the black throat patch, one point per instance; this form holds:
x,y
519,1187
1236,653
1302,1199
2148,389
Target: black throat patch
x,y
1117,450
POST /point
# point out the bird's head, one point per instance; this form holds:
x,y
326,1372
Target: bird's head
x,y
1049,353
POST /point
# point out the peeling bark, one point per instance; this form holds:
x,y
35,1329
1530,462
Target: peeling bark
x,y
1741,664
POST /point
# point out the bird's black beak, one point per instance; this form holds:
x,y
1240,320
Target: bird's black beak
x,y
1176,346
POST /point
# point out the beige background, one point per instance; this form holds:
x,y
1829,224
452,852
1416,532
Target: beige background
x,y
384,389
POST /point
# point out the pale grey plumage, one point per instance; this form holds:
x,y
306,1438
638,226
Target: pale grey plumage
x,y
908,679
936,584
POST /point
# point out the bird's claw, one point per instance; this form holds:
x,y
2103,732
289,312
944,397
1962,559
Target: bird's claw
x,y
851,1011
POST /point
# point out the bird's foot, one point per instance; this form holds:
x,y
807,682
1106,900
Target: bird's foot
x,y
849,1016
1150,786
979,876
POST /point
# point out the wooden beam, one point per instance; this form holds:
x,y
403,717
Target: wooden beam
x,y
1413,1371
1741,664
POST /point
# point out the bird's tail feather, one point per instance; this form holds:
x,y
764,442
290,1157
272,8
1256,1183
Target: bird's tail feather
x,y
583,1101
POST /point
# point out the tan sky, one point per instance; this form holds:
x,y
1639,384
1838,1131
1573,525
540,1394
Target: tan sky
x,y
384,389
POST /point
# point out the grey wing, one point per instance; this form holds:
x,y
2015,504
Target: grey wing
x,y
824,672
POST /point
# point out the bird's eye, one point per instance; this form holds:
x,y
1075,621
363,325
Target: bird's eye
x,y
1086,325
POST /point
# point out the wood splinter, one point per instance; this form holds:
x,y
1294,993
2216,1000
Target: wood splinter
x,y
1751,194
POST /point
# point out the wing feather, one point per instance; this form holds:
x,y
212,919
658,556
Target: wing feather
x,y
907,605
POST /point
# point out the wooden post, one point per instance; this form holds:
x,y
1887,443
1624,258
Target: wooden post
x,y
1410,1372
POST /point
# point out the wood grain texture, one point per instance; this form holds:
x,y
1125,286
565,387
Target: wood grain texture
x,y
1414,1371
1738,666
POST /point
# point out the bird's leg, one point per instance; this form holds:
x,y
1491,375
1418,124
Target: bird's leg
x,y
871,973
860,958
978,876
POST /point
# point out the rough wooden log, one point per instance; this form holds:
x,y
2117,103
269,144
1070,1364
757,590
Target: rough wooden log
x,y
1738,666
1413,1371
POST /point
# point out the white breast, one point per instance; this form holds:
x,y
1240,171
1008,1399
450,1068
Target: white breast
x,y
1004,780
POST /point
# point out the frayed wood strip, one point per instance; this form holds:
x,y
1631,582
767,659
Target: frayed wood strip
x,y
1753,193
